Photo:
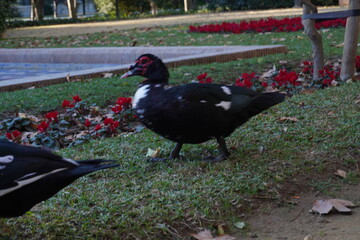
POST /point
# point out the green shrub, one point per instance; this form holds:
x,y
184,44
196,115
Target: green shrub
x,y
5,10
247,4
325,2
126,7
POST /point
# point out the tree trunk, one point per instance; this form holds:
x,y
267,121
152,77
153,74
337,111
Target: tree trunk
x,y
37,10
315,38
55,5
154,7
297,3
84,6
350,43
72,9
188,5
117,12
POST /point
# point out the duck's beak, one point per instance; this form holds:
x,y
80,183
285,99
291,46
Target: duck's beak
x,y
133,71
127,74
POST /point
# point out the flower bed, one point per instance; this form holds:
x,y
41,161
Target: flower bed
x,y
75,123
263,25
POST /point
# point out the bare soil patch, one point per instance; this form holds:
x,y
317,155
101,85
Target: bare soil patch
x,y
290,218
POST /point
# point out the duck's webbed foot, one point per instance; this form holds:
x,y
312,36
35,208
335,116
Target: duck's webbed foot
x,y
224,152
173,155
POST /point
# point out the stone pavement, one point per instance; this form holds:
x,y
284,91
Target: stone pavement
x,y
94,62
21,70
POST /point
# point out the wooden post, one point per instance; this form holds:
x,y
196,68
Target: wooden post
x,y
350,43
315,38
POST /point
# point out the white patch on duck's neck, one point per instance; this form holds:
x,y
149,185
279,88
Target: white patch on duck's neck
x,y
226,90
140,93
224,105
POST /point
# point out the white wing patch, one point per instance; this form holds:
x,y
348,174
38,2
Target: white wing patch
x,y
22,183
6,159
224,105
140,111
71,161
203,101
226,90
140,93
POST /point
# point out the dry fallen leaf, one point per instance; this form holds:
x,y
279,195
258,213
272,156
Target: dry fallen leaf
x,y
340,173
203,235
153,153
325,206
268,73
339,45
108,75
288,119
240,225
206,235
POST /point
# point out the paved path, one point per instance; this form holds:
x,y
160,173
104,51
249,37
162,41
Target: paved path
x,y
82,28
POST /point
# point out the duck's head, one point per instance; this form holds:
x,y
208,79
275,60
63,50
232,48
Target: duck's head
x,y
149,67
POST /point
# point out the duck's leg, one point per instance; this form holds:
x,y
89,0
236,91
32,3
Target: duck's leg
x,y
173,155
224,153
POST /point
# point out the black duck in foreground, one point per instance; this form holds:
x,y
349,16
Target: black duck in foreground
x,y
193,113
29,175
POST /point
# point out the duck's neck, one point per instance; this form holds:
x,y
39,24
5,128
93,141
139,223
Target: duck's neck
x,y
155,81
159,76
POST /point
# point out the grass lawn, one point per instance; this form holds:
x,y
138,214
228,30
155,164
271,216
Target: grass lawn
x,y
168,200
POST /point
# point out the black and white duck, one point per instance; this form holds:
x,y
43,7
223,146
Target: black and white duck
x,y
193,113
29,175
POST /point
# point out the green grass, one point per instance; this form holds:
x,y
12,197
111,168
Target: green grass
x,y
161,201
168,200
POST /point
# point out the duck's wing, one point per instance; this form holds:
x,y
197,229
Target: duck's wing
x,y
221,97
22,165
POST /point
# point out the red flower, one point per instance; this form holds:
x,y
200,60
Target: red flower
x,y
117,109
108,121
52,116
97,127
201,76
284,78
327,82
76,98
357,63
123,101
67,104
43,126
114,125
264,84
13,135
87,123
263,25
246,80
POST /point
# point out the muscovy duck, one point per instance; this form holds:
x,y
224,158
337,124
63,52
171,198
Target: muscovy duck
x,y
193,113
29,175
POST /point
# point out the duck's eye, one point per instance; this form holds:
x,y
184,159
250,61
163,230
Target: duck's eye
x,y
144,60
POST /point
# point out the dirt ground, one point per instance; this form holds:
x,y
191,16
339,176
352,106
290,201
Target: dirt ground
x,y
274,221
271,221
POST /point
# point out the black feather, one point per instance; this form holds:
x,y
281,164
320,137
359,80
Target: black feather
x,y
193,113
34,175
